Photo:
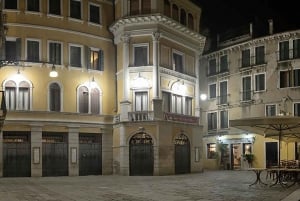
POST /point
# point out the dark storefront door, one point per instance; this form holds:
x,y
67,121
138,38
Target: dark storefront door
x,y
90,154
55,154
141,155
16,154
182,155
271,154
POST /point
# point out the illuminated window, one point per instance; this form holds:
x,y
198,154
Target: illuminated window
x,y
96,59
211,151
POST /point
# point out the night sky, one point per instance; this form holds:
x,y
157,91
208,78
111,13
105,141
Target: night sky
x,y
221,15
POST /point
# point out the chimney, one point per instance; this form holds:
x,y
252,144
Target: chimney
x,y
270,26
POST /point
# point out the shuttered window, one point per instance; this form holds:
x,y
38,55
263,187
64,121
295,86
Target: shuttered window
x,y
83,100
54,97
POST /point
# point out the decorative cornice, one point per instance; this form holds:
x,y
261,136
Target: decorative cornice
x,y
156,19
177,75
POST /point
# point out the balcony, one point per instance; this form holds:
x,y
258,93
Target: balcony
x,y
141,116
181,118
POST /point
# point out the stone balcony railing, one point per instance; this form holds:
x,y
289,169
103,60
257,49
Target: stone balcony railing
x,y
141,116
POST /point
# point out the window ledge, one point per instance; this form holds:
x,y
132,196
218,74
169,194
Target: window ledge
x,y
55,16
95,25
75,20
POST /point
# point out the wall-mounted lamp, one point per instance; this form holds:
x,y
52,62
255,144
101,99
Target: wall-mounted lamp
x,y
53,72
93,83
203,97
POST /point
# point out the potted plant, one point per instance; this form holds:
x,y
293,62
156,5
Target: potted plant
x,y
249,158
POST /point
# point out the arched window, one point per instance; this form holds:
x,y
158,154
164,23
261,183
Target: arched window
x,y
182,17
89,99
167,8
17,95
10,95
191,21
175,10
54,97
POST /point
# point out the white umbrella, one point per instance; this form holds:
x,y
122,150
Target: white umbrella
x,y
285,128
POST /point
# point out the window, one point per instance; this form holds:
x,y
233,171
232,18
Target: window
x,y
54,7
178,62
212,91
13,49
17,95
296,48
95,59
54,97
140,6
211,151
188,106
140,55
167,8
75,56
223,64
11,4
33,5
290,78
166,103
177,104
94,14
212,121
246,88
283,50
141,101
271,110
55,53
260,55
182,17
89,100
212,67
246,58
75,9
223,92
175,12
224,119
190,21
297,109
260,82
33,51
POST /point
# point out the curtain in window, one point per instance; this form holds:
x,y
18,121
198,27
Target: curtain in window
x,y
83,94
54,97
10,95
95,101
141,101
23,96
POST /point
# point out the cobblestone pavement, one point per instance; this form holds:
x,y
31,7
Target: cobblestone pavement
x,y
206,186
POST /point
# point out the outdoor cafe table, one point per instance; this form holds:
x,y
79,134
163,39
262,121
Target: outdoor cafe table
x,y
286,177
257,172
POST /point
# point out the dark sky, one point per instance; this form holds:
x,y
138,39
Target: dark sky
x,y
220,15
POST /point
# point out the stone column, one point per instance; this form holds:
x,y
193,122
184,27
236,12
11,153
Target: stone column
x,y
125,103
107,152
36,151
197,87
73,142
124,152
156,84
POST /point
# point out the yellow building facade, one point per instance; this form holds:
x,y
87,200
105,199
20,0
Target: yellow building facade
x,y
125,97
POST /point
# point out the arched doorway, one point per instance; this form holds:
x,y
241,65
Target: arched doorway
x,y
182,155
141,155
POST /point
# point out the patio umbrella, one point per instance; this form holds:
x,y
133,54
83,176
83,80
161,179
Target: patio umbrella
x,y
285,128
